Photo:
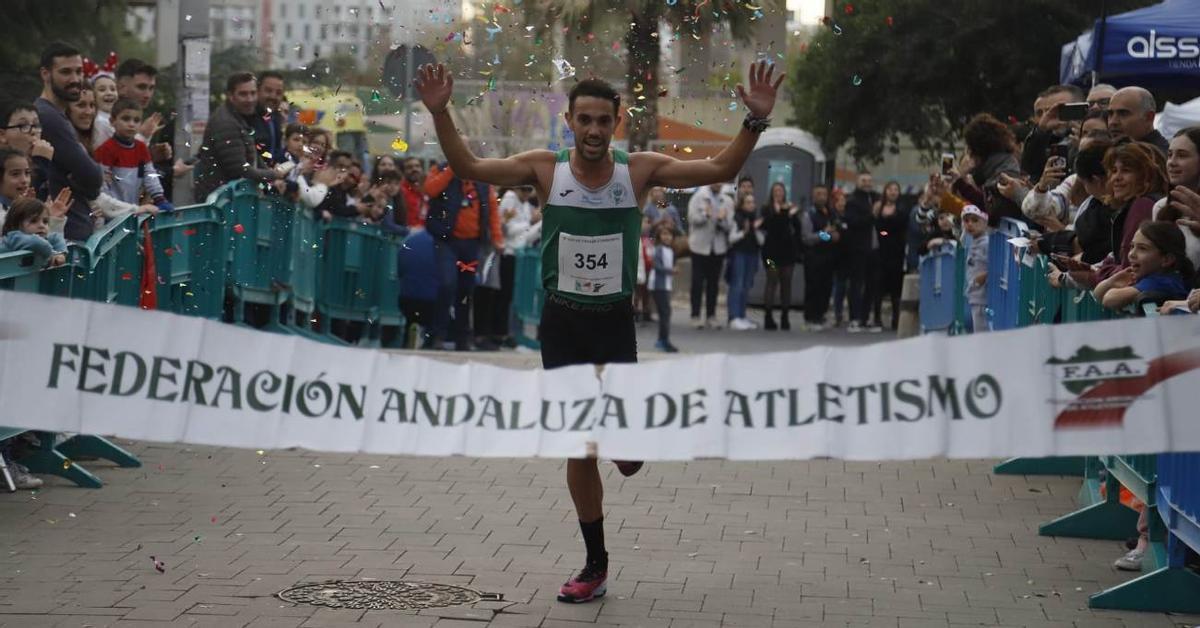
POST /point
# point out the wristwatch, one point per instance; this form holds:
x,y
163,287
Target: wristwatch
x,y
755,124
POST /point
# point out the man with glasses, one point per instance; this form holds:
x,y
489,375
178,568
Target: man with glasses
x,y
61,70
1099,96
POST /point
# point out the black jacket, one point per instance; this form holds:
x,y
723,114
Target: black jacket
x,y
228,153
71,167
860,222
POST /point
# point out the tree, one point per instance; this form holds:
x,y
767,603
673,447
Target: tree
x,y
93,27
922,68
641,19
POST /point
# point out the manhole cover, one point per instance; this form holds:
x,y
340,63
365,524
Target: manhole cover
x,y
383,595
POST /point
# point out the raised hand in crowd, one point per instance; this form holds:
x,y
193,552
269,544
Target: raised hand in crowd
x,y
1187,201
151,125
181,167
146,208
42,148
60,205
1011,187
161,152
1052,175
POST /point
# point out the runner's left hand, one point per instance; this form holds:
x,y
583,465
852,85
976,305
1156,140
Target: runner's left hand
x,y
764,85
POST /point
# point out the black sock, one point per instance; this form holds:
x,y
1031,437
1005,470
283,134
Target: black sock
x,y
593,539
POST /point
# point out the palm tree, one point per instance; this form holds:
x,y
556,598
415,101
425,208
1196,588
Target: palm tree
x,y
687,18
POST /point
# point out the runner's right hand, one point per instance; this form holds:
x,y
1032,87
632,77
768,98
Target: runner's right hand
x,y
435,86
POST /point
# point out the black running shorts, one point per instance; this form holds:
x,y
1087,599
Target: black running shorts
x,y
577,333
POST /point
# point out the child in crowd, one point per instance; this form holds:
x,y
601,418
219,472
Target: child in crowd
x,y
975,224
27,228
105,87
661,284
128,168
1159,269
14,178
641,297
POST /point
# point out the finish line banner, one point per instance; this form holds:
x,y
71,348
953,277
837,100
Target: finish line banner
x,y
1114,387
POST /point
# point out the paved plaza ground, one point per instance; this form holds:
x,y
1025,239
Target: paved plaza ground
x,y
701,544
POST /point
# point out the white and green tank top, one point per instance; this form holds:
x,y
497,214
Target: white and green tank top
x,y
590,236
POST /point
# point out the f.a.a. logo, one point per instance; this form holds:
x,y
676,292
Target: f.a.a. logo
x,y
1089,367
1105,382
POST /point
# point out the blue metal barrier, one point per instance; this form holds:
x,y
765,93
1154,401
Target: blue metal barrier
x,y
941,289
1004,275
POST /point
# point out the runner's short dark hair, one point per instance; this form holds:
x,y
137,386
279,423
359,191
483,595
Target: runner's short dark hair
x,y
237,78
57,50
134,67
595,88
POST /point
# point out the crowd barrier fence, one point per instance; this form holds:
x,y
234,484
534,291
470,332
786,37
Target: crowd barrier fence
x,y
1168,485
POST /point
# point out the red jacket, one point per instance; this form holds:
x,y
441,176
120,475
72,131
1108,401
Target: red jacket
x,y
416,202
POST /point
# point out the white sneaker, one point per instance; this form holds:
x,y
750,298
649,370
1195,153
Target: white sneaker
x,y
855,328
741,324
1131,561
712,323
816,327
752,324
22,478
697,323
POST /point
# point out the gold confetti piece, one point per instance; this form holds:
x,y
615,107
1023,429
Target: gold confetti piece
x,y
399,145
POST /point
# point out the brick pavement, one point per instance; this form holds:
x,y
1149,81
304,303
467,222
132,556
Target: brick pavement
x,y
711,543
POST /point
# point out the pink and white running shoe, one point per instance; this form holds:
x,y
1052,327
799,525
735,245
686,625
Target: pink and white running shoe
x,y
590,584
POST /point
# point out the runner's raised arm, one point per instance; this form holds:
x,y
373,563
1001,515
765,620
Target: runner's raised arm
x,y
670,172
435,84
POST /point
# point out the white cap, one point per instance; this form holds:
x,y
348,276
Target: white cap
x,y
973,210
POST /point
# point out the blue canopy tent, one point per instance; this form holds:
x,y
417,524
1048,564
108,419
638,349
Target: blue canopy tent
x,y
1154,46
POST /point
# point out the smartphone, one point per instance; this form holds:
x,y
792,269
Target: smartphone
x,y
1073,111
1058,154
947,163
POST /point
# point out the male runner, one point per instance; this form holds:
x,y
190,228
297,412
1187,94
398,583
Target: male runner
x,y
590,244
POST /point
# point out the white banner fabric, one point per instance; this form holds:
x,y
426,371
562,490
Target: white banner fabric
x,y
1114,387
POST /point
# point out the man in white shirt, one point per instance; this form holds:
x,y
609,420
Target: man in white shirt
x,y
710,219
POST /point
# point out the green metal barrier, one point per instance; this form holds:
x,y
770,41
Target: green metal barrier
x,y
259,232
108,268
348,283
388,329
305,246
528,295
189,246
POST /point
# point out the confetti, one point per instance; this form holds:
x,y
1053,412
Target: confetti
x,y
856,80
375,96
467,267
399,145
238,228
66,464
890,22
159,566
824,236
564,68
849,9
126,276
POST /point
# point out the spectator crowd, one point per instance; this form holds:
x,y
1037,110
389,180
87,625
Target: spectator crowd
x,y
1114,204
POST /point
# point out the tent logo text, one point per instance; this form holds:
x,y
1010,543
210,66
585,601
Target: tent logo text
x,y
1165,47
